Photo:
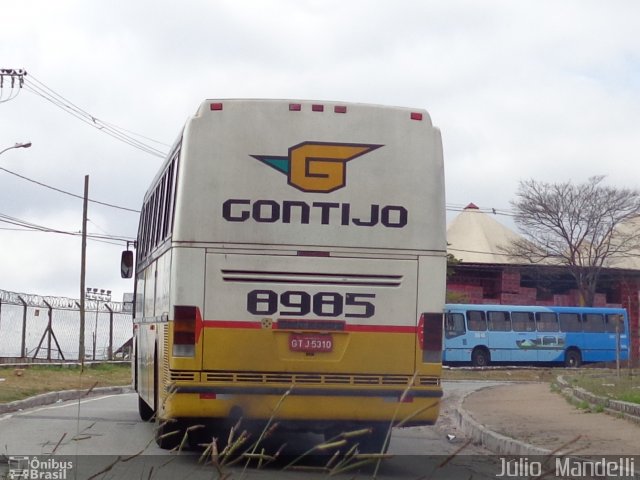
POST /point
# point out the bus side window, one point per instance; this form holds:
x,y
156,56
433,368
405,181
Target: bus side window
x,y
610,321
454,326
593,322
547,322
476,321
570,322
499,321
523,321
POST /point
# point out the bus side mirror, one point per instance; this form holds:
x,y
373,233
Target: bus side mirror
x,y
126,264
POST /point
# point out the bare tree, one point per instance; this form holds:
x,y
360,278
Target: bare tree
x,y
583,227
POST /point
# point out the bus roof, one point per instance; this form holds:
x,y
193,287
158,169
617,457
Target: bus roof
x,y
532,308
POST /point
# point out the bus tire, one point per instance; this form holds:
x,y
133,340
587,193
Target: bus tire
x,y
572,358
480,357
145,411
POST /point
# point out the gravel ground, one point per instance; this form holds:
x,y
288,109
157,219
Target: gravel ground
x,y
532,413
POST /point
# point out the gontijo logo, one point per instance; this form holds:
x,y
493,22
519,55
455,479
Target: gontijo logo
x,y
317,166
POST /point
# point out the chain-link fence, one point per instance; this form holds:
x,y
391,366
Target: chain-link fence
x,y
39,328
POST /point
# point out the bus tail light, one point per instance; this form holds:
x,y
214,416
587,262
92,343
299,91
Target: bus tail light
x,y
185,319
430,335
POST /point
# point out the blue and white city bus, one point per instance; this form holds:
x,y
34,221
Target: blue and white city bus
x,y
482,334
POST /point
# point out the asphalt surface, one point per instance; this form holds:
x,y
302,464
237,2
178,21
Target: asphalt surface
x,y
480,422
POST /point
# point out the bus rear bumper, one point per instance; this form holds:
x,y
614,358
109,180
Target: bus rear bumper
x,y
298,404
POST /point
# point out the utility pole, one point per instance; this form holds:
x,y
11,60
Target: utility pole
x,y
14,78
83,268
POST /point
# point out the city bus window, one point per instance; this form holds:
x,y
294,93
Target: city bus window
x,y
454,325
547,322
499,321
570,322
610,321
523,321
476,321
593,322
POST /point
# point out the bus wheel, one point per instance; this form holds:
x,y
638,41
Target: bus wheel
x,y
480,357
572,358
145,411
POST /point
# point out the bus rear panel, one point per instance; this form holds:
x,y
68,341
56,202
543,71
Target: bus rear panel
x,y
302,273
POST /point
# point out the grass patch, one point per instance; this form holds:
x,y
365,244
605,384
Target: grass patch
x,y
20,383
503,374
583,405
603,382
632,397
606,383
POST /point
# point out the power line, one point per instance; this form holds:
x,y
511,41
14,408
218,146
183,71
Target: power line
x,y
30,226
36,87
493,211
66,192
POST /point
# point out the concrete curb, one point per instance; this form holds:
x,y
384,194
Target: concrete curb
x,y
627,410
62,396
503,445
496,442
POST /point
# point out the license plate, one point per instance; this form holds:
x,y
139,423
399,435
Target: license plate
x,y
303,342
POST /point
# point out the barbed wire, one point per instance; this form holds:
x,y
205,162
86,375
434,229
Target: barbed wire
x,y
62,303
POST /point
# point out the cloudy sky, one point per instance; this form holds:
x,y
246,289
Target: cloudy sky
x,y
544,89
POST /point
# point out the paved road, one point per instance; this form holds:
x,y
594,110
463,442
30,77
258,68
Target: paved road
x,y
95,431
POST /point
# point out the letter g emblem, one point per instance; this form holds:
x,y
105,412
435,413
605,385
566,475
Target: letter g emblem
x,y
316,166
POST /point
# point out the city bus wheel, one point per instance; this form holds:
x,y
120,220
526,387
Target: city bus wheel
x,y
572,358
480,357
145,411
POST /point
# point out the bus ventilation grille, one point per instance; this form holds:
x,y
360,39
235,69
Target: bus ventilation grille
x,y
316,379
166,374
182,376
311,278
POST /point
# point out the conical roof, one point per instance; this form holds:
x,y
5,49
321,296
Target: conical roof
x,y
475,237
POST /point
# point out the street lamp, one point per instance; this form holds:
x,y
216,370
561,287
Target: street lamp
x,y
17,145
98,295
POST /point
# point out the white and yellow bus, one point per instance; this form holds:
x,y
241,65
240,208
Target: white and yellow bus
x,y
290,265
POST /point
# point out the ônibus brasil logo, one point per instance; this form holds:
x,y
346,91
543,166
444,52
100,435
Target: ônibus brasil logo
x,y
318,167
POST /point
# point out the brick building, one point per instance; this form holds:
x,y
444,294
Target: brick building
x,y
487,275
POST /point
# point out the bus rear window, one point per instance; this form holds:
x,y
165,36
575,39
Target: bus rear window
x,y
610,321
476,321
